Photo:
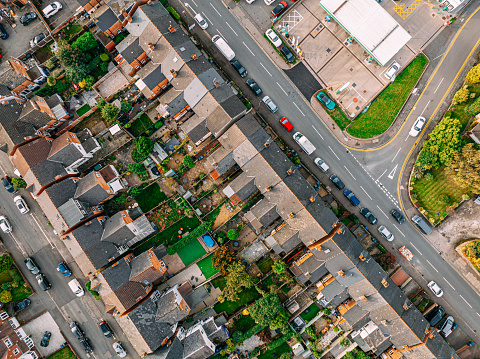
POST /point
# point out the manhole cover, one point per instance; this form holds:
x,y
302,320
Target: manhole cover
x,y
354,85
328,50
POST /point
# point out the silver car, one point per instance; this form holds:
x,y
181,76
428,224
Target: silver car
x,y
270,104
5,225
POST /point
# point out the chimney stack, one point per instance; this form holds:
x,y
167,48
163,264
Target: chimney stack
x,y
269,188
312,199
289,171
291,215
173,72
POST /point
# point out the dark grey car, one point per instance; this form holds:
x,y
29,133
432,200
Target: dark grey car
x,y
254,86
337,182
287,53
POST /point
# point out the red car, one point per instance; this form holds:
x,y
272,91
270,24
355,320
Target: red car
x,y
277,10
286,124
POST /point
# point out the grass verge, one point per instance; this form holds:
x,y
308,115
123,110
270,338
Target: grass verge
x,y
207,267
150,197
384,109
64,353
191,252
337,114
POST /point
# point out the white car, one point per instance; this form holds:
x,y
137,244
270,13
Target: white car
x,y
76,288
250,1
321,164
392,70
201,21
5,225
417,126
52,9
269,2
117,346
270,104
21,205
386,233
272,36
435,288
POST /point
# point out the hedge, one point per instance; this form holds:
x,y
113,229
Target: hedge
x,y
278,342
197,232
252,331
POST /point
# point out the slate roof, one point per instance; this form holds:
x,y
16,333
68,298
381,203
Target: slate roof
x,y
90,191
173,351
195,128
168,310
209,77
132,51
33,116
234,107
187,49
74,211
200,65
117,275
195,346
222,93
141,263
46,171
106,20
177,104
116,230
67,154
287,238
243,186
265,212
154,78
61,192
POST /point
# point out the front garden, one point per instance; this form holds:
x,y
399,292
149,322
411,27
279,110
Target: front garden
x,y
14,288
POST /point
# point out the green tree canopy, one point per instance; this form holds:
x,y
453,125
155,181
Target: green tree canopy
x,y
236,278
144,146
279,267
110,112
126,106
473,76
6,296
280,321
466,167
18,183
5,262
137,168
188,161
85,42
265,309
232,234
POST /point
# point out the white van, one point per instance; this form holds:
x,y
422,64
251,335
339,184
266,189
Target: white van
x,y
304,143
76,288
222,45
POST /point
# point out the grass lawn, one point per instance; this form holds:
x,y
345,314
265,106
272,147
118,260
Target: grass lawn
x,y
314,309
384,109
245,296
337,114
243,323
206,266
83,110
64,353
71,30
265,264
278,351
428,193
140,125
19,293
150,197
191,252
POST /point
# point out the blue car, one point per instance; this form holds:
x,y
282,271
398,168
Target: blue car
x,y
325,100
63,268
351,197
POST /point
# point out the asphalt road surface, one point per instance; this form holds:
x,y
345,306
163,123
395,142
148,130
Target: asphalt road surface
x,y
372,175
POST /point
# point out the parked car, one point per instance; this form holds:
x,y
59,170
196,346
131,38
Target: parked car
x,y
447,325
21,205
368,215
3,33
76,331
64,269
37,39
321,164
7,183
85,343
281,7
337,182
43,282
32,266
45,339
286,124
397,215
435,288
117,346
351,197
254,86
417,126
274,39
324,99
386,233
287,53
105,328
21,305
52,9
392,70
270,105
5,225
240,69
435,316
201,21
249,1
28,18
424,227
76,288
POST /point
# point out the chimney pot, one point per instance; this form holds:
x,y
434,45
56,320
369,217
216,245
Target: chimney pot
x,y
194,56
269,188
341,273
266,144
312,199
289,171
171,28
291,215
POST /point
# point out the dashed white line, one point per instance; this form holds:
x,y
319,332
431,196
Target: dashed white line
x,y
215,10
210,21
432,265
298,108
406,138
366,193
194,3
350,173
382,211
265,69
19,245
334,153
248,49
413,245
399,230
381,176
449,283
466,301
221,35
425,108
396,154
317,132
438,85
281,88
234,32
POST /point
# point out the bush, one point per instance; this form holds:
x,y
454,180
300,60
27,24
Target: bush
x,y
110,112
122,198
5,262
345,342
172,11
85,42
473,108
232,234
473,75
252,331
278,342
104,57
461,96
18,183
336,330
188,161
6,296
136,168
158,124
428,176
126,106
144,146
237,336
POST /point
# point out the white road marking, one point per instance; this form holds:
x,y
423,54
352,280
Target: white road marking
x,y
281,88
350,173
381,175
3,171
19,245
317,132
438,85
396,154
425,108
221,35
194,3
366,193
432,266
392,173
210,21
448,283
234,32
265,69
334,153
215,10
478,314
399,230
298,108
382,211
466,301
249,49
413,245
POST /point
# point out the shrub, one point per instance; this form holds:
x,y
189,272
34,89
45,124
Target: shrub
x,y
18,183
473,75
221,299
158,124
85,42
252,331
128,125
6,296
345,342
188,161
278,342
461,96
336,330
232,234
5,262
428,176
237,336
126,106
473,108
122,198
110,112
172,11
144,146
104,57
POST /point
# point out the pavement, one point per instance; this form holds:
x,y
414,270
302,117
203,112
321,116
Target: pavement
x,y
361,171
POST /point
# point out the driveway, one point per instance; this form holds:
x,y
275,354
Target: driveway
x,y
303,79
68,9
37,327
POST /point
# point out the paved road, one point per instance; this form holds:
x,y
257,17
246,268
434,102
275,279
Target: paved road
x,y
353,167
33,237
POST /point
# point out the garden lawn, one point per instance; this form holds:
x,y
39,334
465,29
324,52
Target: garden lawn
x,y
314,309
429,192
244,297
206,266
278,351
150,197
243,323
385,107
265,264
140,125
71,30
64,353
83,110
191,252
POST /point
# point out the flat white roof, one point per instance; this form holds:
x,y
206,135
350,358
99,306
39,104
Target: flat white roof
x,y
372,26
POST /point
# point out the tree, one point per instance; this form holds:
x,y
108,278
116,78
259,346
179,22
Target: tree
x,y
122,198
236,278
222,258
137,168
345,342
6,296
188,161
89,82
473,76
466,168
232,234
386,260
85,42
51,80
104,57
264,310
144,146
461,95
280,321
5,262
286,356
126,106
279,267
473,108
110,112
18,183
